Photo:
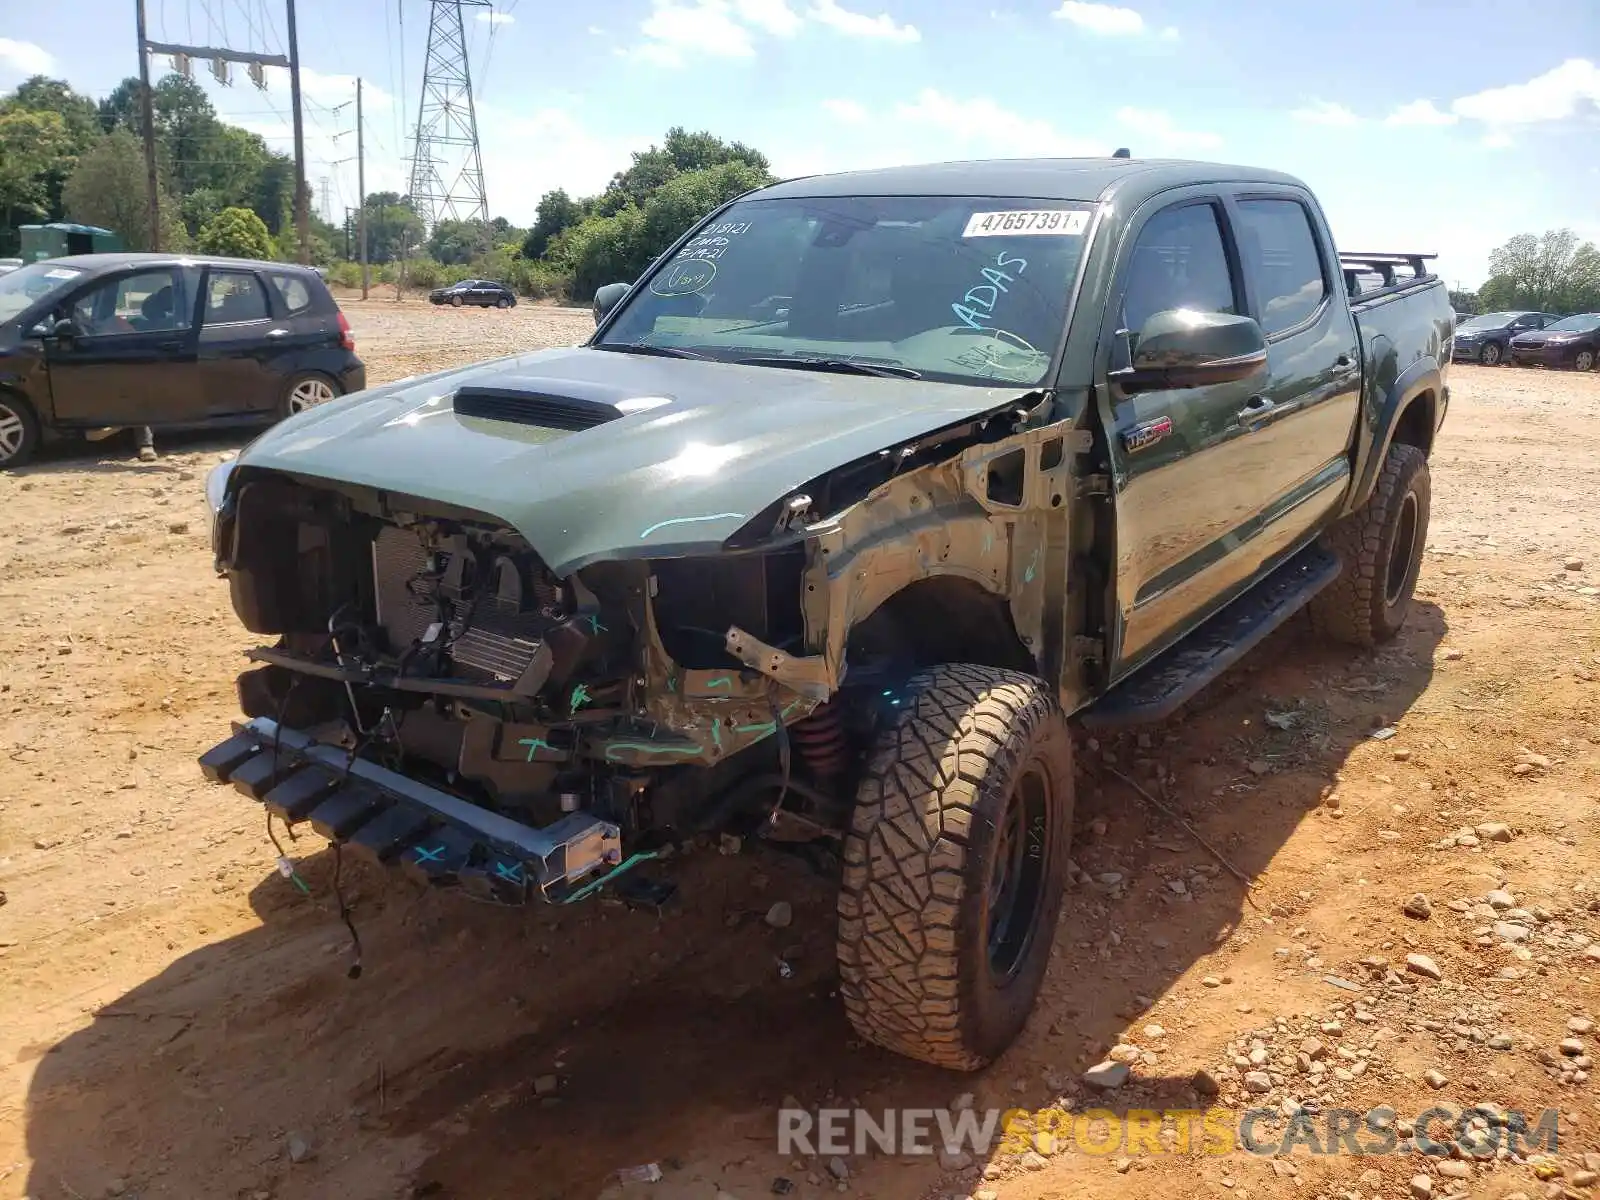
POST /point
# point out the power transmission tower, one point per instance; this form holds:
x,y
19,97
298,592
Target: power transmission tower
x,y
447,163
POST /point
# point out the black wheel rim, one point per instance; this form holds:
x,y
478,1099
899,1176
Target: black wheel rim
x,y
1017,873
1402,553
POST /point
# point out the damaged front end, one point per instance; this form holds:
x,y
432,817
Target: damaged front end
x,y
437,698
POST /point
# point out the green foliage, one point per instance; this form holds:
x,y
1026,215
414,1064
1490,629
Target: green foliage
x,y
1551,272
237,233
107,188
393,228
30,144
1465,302
459,242
680,152
557,211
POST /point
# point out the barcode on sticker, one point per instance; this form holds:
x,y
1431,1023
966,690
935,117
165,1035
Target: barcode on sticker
x,y
1059,221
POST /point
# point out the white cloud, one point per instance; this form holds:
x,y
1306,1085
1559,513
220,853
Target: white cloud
x,y
991,129
490,17
1420,112
1498,140
25,58
1326,112
769,16
1557,94
328,90
854,24
703,29
572,156
849,111
596,31
1163,133
1101,18
1169,33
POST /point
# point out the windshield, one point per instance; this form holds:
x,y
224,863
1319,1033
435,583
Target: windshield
x,y
1490,321
20,288
957,289
1583,323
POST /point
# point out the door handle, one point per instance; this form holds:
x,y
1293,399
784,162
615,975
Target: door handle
x,y
1255,409
277,333
1342,361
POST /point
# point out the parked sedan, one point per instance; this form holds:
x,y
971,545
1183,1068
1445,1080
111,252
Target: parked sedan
x,y
484,292
1487,338
1570,342
104,341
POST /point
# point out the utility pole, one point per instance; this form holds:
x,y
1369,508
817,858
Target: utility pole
x,y
147,116
302,217
361,190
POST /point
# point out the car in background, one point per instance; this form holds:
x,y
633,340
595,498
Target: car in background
x,y
1570,342
105,341
484,292
1486,339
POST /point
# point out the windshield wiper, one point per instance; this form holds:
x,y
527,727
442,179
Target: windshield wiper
x,y
646,348
843,366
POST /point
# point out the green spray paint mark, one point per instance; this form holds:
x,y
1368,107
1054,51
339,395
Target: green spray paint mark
x,y
580,697
534,745
594,624
721,681
716,733
1033,564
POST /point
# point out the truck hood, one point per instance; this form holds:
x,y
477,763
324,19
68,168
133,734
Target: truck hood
x,y
702,448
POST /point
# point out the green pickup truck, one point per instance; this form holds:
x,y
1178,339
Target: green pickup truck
x,y
863,496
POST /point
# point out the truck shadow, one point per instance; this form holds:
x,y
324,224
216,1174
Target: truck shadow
x,y
489,1052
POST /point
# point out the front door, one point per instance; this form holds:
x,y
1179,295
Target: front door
x,y
132,360
238,341
1190,484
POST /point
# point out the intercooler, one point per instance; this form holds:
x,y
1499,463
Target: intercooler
x,y
491,609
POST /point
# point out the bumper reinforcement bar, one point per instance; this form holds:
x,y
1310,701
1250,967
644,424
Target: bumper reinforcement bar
x,y
397,821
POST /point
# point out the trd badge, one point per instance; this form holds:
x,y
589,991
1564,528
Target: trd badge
x,y
1146,433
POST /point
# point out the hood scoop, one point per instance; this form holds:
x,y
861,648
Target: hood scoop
x,y
529,406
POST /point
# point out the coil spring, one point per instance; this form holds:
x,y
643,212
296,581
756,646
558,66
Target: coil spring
x,y
822,741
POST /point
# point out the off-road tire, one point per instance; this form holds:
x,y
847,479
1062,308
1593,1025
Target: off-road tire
x,y
1368,604
19,431
957,743
1491,355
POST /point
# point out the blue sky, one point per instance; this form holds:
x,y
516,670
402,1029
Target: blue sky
x,y
1430,125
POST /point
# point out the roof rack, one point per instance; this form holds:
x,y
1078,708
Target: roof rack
x,y
1382,264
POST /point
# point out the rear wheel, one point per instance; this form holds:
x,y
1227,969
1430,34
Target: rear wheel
x,y
503,302
19,431
954,865
1584,360
1490,355
306,390
1380,547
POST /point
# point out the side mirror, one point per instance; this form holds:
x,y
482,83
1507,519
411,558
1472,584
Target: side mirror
x,y
608,298
62,330
1181,348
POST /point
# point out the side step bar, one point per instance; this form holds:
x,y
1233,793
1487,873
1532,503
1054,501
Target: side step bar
x,y
1159,688
395,820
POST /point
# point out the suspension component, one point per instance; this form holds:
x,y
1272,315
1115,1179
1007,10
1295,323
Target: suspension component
x,y
822,740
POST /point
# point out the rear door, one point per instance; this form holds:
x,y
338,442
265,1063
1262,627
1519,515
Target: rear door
x,y
1300,418
238,342
1190,484
133,362
305,326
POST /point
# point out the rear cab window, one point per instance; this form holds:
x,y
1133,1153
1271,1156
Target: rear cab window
x,y
1279,248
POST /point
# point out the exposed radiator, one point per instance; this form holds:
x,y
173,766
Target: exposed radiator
x,y
496,637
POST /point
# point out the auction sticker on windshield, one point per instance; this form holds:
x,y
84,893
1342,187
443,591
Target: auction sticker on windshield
x,y
1061,222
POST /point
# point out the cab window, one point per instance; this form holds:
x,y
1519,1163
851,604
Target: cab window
x,y
148,302
233,297
1178,261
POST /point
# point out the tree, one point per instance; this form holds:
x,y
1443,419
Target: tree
x,y
1548,272
70,126
108,189
457,242
681,152
1465,302
393,227
237,233
557,211
30,145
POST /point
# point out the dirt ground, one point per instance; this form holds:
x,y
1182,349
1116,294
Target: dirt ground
x,y
176,1019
